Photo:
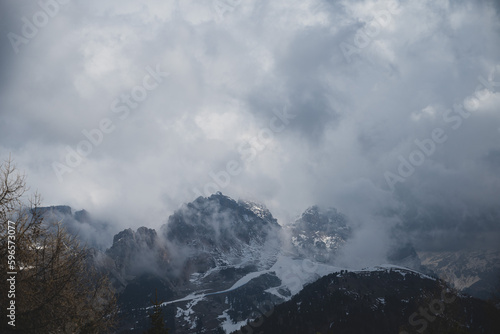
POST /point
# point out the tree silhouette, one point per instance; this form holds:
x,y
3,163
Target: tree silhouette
x,y
57,288
157,322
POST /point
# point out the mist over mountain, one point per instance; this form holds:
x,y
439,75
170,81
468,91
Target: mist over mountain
x,y
221,231
93,232
215,261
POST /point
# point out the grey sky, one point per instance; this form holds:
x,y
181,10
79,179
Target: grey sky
x,y
308,101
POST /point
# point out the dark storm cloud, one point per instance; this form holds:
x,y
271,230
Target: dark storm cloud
x,y
351,118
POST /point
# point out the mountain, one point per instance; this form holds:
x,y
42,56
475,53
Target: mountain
x,y
216,259
135,253
475,272
382,300
217,231
217,263
92,232
318,234
209,247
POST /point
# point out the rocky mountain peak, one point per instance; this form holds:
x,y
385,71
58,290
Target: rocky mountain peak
x,y
144,236
260,210
83,216
130,248
318,233
327,220
59,210
126,234
219,218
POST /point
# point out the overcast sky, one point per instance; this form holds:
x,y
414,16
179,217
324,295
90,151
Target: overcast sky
x,y
290,103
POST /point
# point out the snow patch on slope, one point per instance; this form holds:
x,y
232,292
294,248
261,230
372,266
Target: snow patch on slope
x,y
228,325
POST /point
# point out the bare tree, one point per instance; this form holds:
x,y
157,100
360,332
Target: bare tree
x,y
57,289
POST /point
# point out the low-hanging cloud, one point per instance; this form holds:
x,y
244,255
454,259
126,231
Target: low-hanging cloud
x,y
228,72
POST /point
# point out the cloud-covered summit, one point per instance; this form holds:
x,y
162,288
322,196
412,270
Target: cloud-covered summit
x,y
291,103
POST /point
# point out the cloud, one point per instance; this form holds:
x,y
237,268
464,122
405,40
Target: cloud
x,y
227,77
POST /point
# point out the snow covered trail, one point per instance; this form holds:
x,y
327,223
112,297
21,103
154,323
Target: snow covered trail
x,y
197,295
294,275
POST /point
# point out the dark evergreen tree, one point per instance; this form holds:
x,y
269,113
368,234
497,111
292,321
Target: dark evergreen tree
x,y
157,322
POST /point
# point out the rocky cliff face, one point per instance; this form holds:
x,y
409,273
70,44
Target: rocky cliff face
x,y
319,233
218,231
138,252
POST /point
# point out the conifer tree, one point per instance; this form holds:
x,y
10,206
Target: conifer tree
x,y
157,322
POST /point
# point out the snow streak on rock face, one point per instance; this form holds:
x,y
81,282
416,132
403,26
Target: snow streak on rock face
x,y
260,210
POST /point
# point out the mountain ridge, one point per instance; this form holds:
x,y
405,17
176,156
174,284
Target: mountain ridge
x,y
216,259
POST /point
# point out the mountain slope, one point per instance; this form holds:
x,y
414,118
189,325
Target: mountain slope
x,y
385,300
475,272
